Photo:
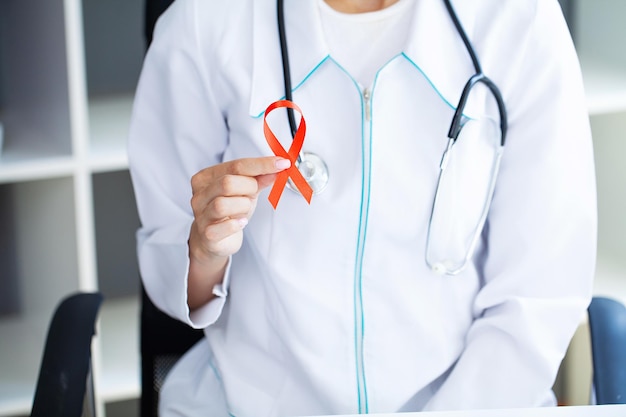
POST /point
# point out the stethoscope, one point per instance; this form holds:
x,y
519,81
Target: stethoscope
x,y
315,171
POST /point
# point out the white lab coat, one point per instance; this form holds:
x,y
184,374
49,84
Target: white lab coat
x,y
330,308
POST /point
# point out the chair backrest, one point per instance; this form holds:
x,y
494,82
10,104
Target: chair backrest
x,y
607,326
64,373
163,341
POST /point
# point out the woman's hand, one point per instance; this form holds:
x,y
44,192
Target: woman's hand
x,y
224,199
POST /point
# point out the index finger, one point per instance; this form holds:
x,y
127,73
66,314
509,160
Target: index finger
x,y
253,167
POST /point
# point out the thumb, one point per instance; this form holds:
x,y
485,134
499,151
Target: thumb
x,y
266,180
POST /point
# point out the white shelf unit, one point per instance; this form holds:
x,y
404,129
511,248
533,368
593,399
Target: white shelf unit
x,y
68,69
67,215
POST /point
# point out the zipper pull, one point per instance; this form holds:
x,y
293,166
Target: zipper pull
x,y
367,96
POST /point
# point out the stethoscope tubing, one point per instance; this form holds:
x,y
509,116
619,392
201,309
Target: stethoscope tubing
x,y
456,125
453,133
438,267
478,77
282,36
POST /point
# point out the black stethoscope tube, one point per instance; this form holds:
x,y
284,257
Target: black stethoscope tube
x,y
479,77
286,68
321,179
456,125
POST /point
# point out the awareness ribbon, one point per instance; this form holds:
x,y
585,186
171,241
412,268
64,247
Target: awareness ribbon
x,y
293,172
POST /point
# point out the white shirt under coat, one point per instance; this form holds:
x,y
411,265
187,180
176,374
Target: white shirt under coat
x,y
331,308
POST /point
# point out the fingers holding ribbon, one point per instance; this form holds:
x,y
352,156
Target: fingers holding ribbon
x,y
224,198
292,155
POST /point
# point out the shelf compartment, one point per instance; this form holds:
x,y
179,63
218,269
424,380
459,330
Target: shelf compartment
x,y
34,96
9,296
22,340
599,33
116,222
599,30
605,86
16,166
109,119
38,212
609,132
42,216
114,51
114,45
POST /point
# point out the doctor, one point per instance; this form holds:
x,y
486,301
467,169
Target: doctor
x,y
400,287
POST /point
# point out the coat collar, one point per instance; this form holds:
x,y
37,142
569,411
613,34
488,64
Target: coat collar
x,y
434,47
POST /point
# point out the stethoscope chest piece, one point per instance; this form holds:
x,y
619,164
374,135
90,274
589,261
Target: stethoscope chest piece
x,y
314,171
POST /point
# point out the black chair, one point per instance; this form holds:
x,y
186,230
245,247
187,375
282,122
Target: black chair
x,y
163,341
607,326
64,386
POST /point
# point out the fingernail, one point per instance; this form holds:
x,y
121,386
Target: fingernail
x,y
283,164
243,222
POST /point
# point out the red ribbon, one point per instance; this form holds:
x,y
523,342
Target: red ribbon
x,y
293,172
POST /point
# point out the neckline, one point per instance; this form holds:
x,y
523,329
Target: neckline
x,y
394,9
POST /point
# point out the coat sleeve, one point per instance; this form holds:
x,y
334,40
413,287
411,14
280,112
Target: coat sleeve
x,y
539,262
177,129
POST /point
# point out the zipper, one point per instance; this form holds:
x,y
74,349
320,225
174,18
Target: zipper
x,y
367,98
359,320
